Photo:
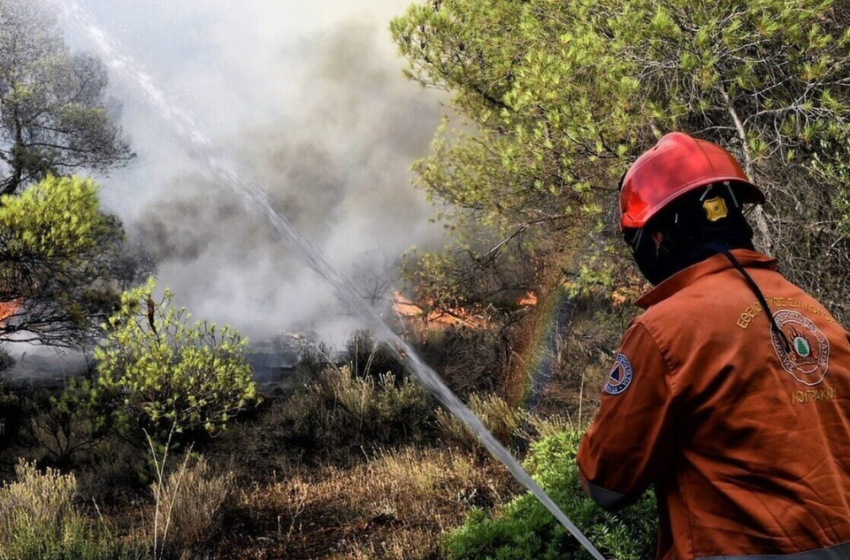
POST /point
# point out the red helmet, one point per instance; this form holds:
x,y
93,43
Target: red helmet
x,y
678,164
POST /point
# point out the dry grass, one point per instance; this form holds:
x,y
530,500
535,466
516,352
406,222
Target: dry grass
x,y
537,426
391,506
38,503
388,502
329,421
385,497
372,403
508,423
191,502
502,419
38,521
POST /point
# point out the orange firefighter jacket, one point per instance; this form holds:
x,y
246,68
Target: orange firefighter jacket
x,y
746,441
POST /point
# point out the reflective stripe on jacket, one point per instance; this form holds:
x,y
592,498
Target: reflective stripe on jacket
x,y
746,441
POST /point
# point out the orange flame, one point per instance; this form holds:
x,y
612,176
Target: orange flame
x,y
404,307
8,309
453,317
528,300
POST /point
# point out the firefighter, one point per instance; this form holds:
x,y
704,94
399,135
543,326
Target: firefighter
x,y
729,394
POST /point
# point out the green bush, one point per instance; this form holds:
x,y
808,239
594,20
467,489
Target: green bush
x,y
38,521
525,530
70,422
374,408
165,373
61,261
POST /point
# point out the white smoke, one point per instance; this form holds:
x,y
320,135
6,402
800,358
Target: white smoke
x,y
324,120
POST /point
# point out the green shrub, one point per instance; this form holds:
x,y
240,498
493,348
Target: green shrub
x,y
70,423
525,530
61,261
38,521
165,372
374,408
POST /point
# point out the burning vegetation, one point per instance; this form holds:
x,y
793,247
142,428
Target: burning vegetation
x,y
8,309
430,316
528,300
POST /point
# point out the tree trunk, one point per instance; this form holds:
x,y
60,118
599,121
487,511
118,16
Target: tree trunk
x,y
761,220
14,182
17,154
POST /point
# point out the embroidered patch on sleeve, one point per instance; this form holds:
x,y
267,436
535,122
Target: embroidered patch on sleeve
x,y
620,377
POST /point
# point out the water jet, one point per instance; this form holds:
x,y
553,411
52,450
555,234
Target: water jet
x,y
256,201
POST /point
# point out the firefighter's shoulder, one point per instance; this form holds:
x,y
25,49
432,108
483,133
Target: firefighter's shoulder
x,y
637,357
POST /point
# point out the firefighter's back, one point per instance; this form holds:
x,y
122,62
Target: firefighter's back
x,y
762,431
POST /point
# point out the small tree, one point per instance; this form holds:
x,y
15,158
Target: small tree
x,y
53,117
60,257
164,373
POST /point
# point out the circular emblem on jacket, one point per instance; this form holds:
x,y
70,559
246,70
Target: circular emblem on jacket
x,y
620,377
808,359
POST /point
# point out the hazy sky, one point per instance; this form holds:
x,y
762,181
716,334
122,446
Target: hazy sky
x,y
309,98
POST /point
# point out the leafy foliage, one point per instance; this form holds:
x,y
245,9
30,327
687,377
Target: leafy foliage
x,y
62,262
163,372
53,117
71,422
525,529
59,217
554,100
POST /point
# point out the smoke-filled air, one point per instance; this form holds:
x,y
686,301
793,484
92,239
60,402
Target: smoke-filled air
x,y
331,139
